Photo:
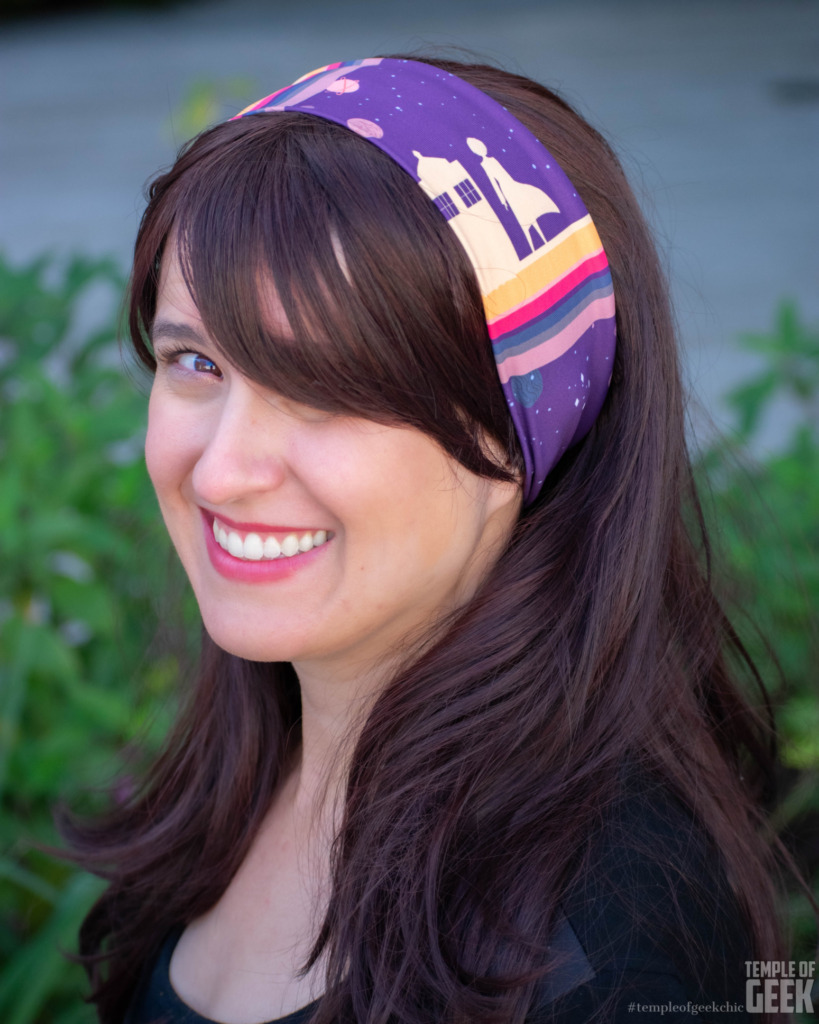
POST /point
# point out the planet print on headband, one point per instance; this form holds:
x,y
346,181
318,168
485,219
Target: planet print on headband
x,y
367,129
342,85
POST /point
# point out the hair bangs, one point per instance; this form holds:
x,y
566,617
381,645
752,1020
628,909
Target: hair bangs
x,y
322,272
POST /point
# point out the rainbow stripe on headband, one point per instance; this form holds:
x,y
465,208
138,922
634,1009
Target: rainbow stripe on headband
x,y
543,274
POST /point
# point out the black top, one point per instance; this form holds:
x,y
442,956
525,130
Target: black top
x,y
651,936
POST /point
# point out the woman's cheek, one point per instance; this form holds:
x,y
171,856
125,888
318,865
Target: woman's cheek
x,y
170,442
156,453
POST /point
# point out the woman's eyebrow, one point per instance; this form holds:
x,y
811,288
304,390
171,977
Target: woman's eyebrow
x,y
175,332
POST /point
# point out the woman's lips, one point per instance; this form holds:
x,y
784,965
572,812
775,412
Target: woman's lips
x,y
257,552
261,528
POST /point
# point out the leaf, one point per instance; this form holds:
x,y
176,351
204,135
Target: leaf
x,y
791,351
749,400
25,879
34,971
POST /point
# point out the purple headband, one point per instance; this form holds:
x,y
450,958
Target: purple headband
x,y
543,274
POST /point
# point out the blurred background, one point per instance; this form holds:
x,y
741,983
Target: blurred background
x,y
713,106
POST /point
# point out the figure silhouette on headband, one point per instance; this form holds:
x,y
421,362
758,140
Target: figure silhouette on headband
x,y
527,202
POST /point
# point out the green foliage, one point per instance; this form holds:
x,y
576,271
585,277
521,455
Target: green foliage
x,y
769,526
84,564
764,518
82,556
791,351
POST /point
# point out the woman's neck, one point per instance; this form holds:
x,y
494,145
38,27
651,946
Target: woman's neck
x,y
334,707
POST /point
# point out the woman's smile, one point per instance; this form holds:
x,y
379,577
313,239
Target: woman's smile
x,y
253,553
253,542
306,535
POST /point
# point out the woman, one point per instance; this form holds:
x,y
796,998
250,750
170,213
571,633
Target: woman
x,y
466,742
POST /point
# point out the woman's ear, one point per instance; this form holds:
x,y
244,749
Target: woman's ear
x,y
504,497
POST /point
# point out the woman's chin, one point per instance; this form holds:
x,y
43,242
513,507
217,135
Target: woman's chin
x,y
253,647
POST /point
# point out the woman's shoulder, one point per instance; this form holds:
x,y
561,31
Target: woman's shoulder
x,y
650,922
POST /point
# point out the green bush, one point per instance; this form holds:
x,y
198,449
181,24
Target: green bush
x,y
82,558
86,572
764,517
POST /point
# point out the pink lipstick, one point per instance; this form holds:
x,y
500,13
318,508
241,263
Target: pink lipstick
x,y
259,553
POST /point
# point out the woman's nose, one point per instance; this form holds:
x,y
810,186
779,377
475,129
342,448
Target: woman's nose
x,y
243,451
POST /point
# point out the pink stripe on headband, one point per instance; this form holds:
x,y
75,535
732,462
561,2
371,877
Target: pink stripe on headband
x,y
547,351
542,303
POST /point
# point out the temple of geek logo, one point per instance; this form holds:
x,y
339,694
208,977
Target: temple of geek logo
x,y
779,986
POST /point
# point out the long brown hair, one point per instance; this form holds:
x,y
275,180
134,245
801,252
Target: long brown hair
x,y
595,643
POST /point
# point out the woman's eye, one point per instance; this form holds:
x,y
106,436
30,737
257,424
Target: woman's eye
x,y
198,363
195,362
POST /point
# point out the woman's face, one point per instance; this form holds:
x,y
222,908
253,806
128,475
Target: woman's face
x,y
388,531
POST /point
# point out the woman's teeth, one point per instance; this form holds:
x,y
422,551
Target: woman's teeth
x,y
253,547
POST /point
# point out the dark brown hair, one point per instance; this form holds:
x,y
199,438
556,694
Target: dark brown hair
x,y
595,644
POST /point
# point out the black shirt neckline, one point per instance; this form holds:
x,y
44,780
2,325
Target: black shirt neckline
x,y
158,1001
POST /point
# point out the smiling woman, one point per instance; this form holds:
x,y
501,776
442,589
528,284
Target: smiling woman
x,y
467,741
248,481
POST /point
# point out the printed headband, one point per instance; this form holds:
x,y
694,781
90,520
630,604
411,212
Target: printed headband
x,y
543,274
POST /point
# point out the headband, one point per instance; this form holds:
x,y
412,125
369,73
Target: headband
x,y
543,275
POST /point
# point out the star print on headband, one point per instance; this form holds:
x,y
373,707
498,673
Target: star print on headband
x,y
544,277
